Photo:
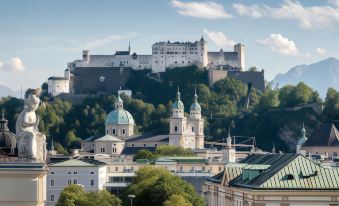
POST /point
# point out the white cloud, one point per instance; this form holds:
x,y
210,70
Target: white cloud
x,y
13,64
282,45
321,51
219,38
94,43
313,17
206,10
252,11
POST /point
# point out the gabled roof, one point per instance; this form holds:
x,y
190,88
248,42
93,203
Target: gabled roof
x,y
92,138
148,138
109,138
83,162
326,135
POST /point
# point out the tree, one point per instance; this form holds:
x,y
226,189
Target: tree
x,y
268,100
171,150
71,196
74,195
144,154
331,109
291,96
177,200
154,186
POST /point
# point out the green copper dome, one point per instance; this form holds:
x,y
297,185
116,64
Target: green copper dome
x,y
195,106
178,104
119,116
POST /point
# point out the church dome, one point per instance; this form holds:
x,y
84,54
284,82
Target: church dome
x,y
195,106
119,116
7,138
178,103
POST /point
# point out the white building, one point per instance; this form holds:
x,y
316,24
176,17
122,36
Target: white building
x,y
109,145
178,54
233,59
89,173
186,132
119,59
59,85
166,55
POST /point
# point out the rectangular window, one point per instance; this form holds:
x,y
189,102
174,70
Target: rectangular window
x,y
69,182
51,198
52,182
92,173
69,173
75,181
52,173
75,173
113,131
123,131
116,169
92,182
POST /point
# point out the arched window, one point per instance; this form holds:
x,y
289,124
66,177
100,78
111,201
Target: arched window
x,y
175,128
113,131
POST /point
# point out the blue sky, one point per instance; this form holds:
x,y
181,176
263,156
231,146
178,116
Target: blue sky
x,y
38,38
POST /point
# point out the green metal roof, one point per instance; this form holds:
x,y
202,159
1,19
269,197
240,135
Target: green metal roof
x,y
285,172
119,116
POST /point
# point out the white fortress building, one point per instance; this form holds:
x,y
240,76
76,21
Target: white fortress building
x,y
166,55
107,73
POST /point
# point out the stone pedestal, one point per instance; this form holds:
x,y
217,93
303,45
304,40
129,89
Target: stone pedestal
x,y
22,184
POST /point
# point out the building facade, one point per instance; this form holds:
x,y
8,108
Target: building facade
x,y
59,85
88,173
179,54
274,179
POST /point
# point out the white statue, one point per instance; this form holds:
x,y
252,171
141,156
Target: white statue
x,y
31,143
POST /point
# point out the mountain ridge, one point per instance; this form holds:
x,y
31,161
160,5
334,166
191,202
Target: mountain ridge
x,y
320,75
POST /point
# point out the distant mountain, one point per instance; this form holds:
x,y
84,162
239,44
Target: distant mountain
x,y
6,91
320,75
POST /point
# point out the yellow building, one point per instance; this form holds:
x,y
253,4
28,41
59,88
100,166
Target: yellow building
x,y
272,180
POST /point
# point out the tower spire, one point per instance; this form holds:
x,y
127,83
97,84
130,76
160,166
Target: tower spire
x,y
273,148
129,47
178,94
195,95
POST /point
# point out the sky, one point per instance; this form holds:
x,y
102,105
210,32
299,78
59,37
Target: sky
x,y
38,38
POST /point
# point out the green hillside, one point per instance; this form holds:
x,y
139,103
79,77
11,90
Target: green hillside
x,y
270,118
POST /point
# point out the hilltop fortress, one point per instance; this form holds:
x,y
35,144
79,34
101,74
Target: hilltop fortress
x,y
106,73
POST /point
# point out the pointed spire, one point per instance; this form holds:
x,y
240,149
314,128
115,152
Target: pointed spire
x,y
303,131
195,95
129,47
273,148
178,94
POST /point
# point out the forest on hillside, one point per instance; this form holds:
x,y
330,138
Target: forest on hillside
x,y
269,117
